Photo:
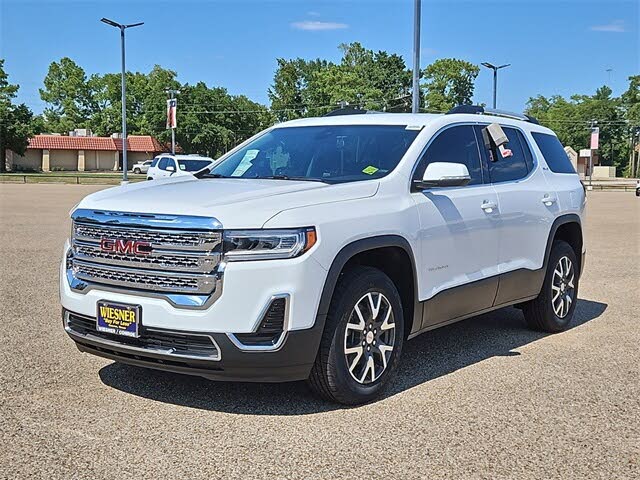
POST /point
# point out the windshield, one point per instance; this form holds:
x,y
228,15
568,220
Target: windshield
x,y
193,165
332,154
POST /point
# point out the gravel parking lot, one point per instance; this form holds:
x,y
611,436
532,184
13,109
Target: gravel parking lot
x,y
485,398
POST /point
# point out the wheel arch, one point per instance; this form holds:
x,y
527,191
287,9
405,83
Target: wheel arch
x,y
390,254
568,228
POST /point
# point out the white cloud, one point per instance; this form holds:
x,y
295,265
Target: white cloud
x,y
616,26
313,14
317,26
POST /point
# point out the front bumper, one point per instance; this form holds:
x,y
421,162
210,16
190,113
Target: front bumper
x,y
292,361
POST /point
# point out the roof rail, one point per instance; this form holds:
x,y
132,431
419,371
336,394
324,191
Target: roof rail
x,y
348,111
479,110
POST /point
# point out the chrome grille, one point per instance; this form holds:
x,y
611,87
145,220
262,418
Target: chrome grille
x,y
180,260
164,259
157,238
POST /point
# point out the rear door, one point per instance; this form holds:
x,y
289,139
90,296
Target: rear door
x,y
458,232
528,207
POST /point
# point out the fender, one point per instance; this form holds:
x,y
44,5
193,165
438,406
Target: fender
x,y
354,248
557,223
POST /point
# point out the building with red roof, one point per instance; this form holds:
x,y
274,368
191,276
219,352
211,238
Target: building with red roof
x,y
80,152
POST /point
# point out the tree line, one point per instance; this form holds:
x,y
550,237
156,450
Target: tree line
x,y
211,120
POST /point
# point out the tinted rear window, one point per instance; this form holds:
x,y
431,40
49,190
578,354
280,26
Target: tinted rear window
x,y
553,153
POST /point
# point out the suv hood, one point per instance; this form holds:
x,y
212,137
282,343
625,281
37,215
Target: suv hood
x,y
237,203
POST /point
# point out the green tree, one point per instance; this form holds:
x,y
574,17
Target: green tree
x,y
290,93
372,80
68,93
16,121
631,101
571,120
449,82
212,121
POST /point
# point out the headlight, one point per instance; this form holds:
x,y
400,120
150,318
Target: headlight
x,y
242,245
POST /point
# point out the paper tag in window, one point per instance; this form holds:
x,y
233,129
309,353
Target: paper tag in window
x,y
245,163
505,152
370,170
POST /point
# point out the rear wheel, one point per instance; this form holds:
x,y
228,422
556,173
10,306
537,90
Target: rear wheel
x,y
553,310
136,170
362,339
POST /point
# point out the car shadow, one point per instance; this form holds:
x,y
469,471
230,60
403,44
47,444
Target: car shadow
x,y
428,356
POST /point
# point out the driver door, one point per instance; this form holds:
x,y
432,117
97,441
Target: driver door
x,y
458,232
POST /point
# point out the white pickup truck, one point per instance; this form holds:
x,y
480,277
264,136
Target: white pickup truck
x,y
316,249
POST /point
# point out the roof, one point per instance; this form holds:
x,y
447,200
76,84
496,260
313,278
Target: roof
x,y
141,143
136,143
373,119
413,120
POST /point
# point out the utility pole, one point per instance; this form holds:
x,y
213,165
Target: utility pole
x,y
171,94
609,70
122,28
415,101
495,78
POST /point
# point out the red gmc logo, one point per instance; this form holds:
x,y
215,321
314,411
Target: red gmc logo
x,y
127,247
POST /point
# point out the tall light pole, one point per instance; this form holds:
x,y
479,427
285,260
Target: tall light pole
x,y
495,78
415,100
122,28
609,70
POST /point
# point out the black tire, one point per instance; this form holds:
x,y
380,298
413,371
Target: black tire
x,y
136,170
331,376
541,314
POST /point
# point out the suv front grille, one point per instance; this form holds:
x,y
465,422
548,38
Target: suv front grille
x,y
157,238
175,260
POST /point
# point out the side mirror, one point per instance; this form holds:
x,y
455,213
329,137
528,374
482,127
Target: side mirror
x,y
171,168
444,174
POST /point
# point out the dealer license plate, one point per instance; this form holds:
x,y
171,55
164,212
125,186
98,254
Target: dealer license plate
x,y
118,318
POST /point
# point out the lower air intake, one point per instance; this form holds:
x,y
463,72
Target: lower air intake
x,y
271,326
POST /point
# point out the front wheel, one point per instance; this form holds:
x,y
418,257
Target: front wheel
x,y
136,170
553,310
362,339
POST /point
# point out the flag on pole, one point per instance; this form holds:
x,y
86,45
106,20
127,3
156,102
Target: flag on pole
x,y
595,138
171,112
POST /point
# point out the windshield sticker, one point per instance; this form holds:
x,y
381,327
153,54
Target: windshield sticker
x,y
245,163
370,170
414,127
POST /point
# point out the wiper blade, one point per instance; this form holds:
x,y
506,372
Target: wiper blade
x,y
212,175
287,177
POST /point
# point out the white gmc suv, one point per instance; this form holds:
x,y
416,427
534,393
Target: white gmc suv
x,y
317,248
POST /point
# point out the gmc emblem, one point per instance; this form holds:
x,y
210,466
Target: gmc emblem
x,y
127,247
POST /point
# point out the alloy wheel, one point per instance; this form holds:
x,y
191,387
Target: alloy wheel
x,y
369,337
562,287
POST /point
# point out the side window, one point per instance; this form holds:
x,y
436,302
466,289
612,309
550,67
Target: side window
x,y
454,145
154,162
553,153
164,162
514,167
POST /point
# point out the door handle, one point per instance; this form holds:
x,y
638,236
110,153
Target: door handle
x,y
548,200
488,206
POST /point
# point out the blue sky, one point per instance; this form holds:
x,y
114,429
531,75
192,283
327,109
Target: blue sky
x,y
555,47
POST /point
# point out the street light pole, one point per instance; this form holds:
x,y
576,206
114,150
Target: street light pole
x,y
415,100
495,78
122,28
